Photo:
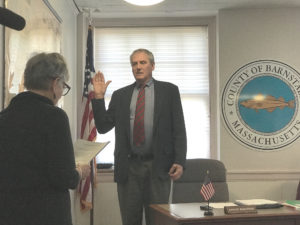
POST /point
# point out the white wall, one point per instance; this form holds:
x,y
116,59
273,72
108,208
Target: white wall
x,y
107,211
68,13
246,36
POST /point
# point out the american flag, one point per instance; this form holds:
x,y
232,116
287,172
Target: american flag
x,y
207,189
88,129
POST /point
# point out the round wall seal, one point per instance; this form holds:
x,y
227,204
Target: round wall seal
x,y
260,105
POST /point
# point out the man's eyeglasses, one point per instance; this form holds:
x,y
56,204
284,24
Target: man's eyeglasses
x,y
66,89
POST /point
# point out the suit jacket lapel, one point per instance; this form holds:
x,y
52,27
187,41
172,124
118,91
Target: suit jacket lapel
x,y
157,103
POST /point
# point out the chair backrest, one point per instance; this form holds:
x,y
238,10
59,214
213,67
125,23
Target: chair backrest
x,y
187,188
298,192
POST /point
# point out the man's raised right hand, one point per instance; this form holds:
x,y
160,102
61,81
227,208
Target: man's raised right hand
x,y
99,85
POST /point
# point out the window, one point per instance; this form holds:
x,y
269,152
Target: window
x,y
42,26
181,57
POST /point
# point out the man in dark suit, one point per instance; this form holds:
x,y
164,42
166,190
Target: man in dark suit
x,y
150,147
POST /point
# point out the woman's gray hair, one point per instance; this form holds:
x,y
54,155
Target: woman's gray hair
x,y
146,51
43,68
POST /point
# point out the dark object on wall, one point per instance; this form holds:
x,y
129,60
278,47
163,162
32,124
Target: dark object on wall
x,y
104,165
11,19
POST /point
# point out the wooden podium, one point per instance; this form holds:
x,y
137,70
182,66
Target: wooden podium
x,y
190,214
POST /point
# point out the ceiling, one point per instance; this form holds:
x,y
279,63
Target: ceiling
x,y
174,8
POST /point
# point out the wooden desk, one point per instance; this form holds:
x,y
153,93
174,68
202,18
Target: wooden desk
x,y
190,214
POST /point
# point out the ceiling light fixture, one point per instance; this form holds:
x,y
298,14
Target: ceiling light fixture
x,y
143,2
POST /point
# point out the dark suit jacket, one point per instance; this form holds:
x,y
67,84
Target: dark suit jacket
x,y
37,165
169,135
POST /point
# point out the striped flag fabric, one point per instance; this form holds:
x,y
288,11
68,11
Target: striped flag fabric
x,y
88,130
207,190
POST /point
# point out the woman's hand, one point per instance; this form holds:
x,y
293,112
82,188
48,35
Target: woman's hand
x,y
84,170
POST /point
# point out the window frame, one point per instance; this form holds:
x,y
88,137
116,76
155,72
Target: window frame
x,y
212,47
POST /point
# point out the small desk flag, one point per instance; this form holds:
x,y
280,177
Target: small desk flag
x,y
207,189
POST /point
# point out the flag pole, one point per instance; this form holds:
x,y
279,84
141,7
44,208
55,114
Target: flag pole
x,y
88,129
92,187
208,212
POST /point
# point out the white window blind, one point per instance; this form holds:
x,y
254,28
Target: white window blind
x,y
181,57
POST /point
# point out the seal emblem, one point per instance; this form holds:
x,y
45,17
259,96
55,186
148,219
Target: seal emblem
x,y
260,105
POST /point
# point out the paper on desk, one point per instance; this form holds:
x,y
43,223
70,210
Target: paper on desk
x,y
221,205
85,151
292,203
255,202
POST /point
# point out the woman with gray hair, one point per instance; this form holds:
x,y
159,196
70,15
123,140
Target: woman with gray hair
x,y
37,165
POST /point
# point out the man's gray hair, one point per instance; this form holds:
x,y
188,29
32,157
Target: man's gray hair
x,y
43,68
146,51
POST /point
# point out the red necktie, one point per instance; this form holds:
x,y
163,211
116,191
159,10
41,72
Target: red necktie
x,y
138,128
